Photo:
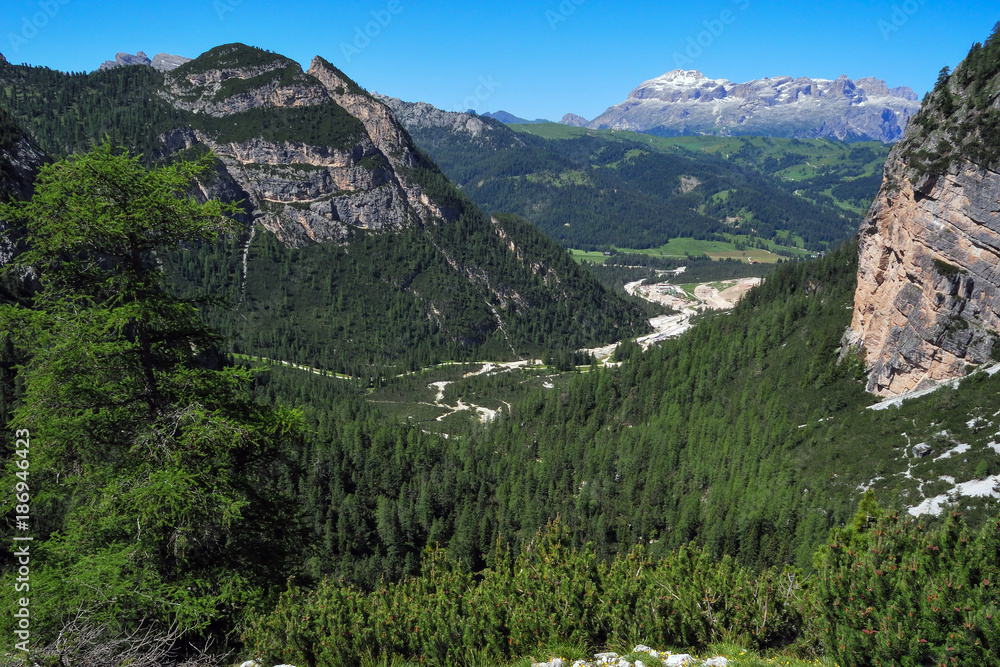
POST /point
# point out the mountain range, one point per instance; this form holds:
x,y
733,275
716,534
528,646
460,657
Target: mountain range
x,y
684,102
507,117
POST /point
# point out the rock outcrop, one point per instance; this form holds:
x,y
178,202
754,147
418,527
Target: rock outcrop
x,y
420,115
302,192
573,120
123,59
927,305
166,62
640,656
20,159
687,102
163,62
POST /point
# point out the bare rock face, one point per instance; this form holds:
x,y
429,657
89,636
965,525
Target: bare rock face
x,y
123,59
927,303
227,89
420,115
20,160
573,120
166,62
303,191
163,62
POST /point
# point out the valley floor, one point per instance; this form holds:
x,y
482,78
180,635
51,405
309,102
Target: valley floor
x,y
688,300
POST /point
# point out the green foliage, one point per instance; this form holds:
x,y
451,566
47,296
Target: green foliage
x,y
230,56
68,112
326,124
10,133
958,121
597,189
893,591
386,303
946,269
156,480
548,594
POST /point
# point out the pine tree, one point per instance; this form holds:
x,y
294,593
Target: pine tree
x,y
160,476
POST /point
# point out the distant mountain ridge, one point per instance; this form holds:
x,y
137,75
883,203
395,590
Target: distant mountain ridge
x,y
686,102
507,117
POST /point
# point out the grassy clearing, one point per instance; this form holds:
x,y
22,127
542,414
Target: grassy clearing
x,y
592,256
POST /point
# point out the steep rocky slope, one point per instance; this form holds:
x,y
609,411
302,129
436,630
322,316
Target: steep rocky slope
x,y
928,299
20,159
688,102
312,171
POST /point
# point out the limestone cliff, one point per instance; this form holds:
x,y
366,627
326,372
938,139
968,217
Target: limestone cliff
x,y
927,304
331,159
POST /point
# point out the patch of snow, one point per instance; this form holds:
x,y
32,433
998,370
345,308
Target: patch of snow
x,y
977,488
898,400
961,449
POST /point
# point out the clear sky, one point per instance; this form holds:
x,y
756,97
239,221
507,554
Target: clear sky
x,y
538,58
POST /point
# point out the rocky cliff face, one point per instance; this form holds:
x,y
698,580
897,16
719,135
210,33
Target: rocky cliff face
x,y
688,102
927,304
20,160
302,190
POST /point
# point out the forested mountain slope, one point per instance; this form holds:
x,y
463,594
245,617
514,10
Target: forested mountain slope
x,y
355,250
590,189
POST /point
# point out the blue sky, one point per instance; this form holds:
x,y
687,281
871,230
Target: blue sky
x,y
532,58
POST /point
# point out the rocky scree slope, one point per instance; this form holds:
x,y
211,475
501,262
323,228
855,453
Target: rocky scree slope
x,y
687,102
927,304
